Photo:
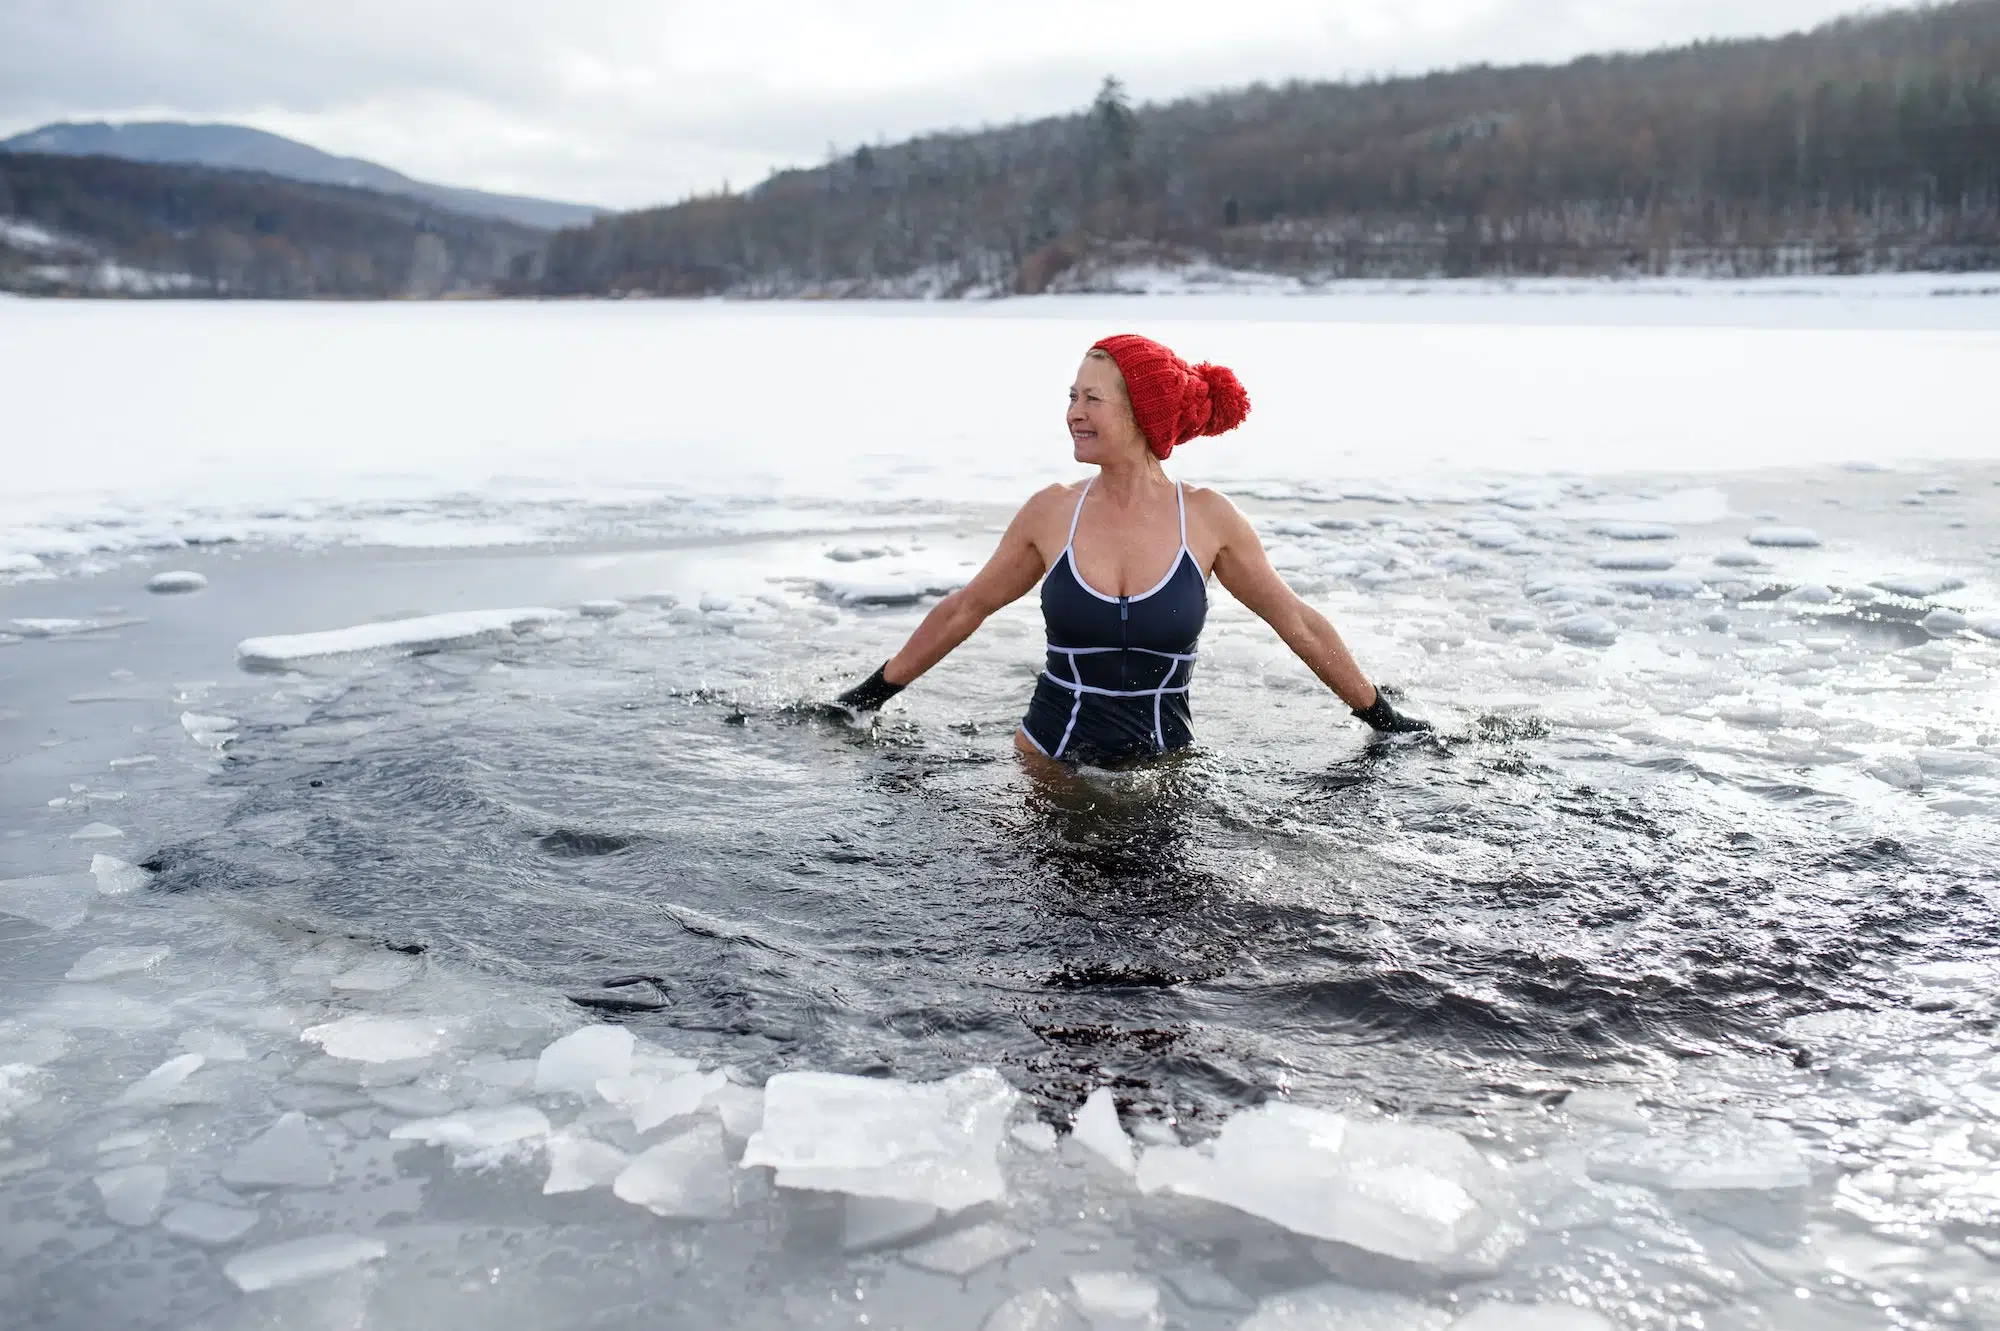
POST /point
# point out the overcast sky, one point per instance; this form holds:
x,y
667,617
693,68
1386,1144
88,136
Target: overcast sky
x,y
631,102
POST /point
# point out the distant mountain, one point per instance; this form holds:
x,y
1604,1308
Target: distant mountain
x,y
102,226
234,147
1868,144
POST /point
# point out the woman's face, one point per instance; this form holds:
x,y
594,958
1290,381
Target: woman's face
x,y
1101,425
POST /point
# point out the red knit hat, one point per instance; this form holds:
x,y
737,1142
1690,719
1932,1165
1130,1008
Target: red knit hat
x,y
1175,401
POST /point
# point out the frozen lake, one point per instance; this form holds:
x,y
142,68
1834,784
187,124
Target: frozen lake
x,y
558,963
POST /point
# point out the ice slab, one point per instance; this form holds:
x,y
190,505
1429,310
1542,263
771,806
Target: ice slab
x,y
652,1101
872,1222
367,1038
1496,1316
158,1086
1986,626
686,1176
1750,1156
175,581
87,1007
577,1164
301,1259
54,901
1942,622
1595,630
116,878
1033,1310
285,1155
207,729
1201,1287
1420,1194
1096,1128
1119,1295
935,1142
575,1064
101,963
1666,586
63,628
97,832
1784,537
889,590
967,1250
1342,1308
606,609
207,1223
424,633
1633,561
1917,586
478,1135
1035,1136
1621,530
132,1195
1738,559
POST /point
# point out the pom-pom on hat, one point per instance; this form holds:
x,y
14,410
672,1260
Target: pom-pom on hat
x,y
1174,401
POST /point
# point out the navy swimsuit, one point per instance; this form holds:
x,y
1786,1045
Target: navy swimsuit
x,y
1116,684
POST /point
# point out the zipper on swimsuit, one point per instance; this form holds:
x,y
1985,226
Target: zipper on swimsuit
x,y
1124,643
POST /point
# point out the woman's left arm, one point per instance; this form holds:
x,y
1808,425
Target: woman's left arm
x,y
1245,571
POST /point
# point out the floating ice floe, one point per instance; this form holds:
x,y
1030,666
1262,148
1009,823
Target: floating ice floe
x,y
890,589
1736,1155
478,1135
1096,1128
964,1251
288,1154
116,878
367,1038
1594,630
207,1223
101,963
97,832
1918,586
604,609
1667,586
578,1163
935,1142
1942,622
176,581
132,1195
301,1259
424,633
1738,559
1114,1296
64,628
55,901
1035,1136
1986,626
1619,530
209,730
655,1099
1421,1194
1037,1309
686,1176
1635,562
1343,1308
574,1064
1788,537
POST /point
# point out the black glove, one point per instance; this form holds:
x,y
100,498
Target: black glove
x,y
1380,715
870,693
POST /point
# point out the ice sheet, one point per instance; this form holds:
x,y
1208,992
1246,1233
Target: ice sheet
x,y
461,628
301,1259
687,1176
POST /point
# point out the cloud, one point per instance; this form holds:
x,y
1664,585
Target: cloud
x,y
629,102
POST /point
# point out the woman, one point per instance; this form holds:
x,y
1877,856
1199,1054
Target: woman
x,y
1121,633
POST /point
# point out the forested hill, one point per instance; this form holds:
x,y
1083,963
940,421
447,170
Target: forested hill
x,y
1869,144
104,226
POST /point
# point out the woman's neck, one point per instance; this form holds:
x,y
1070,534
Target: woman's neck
x,y
1126,481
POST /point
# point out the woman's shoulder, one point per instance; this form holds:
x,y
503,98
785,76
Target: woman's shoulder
x,y
1211,504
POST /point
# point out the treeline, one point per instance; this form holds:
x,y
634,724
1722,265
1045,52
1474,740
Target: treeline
x,y
104,226
1869,144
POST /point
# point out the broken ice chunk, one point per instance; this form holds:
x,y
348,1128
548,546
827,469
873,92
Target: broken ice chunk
x,y
207,729
652,1101
1035,1136
1342,1308
478,1135
55,901
871,1222
606,609
422,633
1595,630
158,1086
741,1108
1420,1194
575,1064
116,878
1785,537
1097,1130
1918,586
935,1142
208,1224
96,832
1619,530
686,1176
577,1164
1201,1287
176,581
366,1038
1633,561
967,1250
103,962
132,1195
1119,1295
301,1259
1495,1316
285,1155
1750,1156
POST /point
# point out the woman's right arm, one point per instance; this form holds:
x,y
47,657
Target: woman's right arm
x,y
1012,571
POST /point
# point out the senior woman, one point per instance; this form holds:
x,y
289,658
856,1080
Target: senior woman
x,y
1122,632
